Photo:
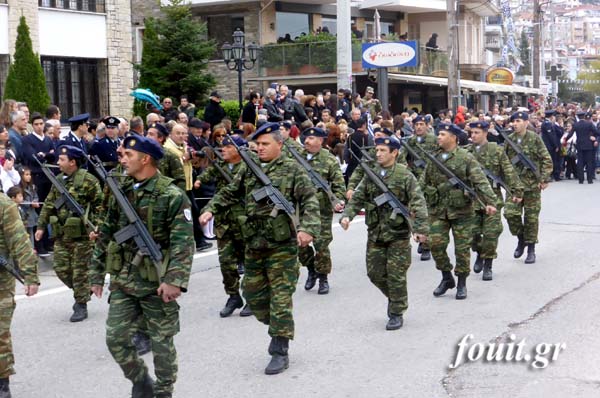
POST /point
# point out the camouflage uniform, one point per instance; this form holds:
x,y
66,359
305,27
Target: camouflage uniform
x,y
327,166
523,217
165,210
373,108
170,166
293,143
487,228
229,237
388,244
271,254
359,173
72,247
449,207
16,246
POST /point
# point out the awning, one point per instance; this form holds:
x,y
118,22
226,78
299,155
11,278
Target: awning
x,y
471,85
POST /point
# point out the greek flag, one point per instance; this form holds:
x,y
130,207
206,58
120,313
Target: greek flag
x,y
369,124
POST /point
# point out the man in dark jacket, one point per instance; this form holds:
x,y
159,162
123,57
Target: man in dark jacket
x,y
552,142
214,112
587,142
250,111
274,114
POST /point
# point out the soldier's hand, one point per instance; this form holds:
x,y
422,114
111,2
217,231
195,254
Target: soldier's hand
x,y
197,184
543,185
517,200
339,206
304,239
205,217
420,238
31,290
93,235
349,194
490,210
168,292
39,234
97,290
345,223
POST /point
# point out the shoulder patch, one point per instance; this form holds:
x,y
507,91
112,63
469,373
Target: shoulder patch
x,y
187,213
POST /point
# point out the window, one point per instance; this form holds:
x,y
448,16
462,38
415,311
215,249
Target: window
x,y
77,5
331,24
386,29
292,23
221,28
72,84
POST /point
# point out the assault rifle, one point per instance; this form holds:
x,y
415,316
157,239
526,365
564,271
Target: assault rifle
x,y
315,177
136,229
417,160
520,157
496,181
14,271
224,173
65,198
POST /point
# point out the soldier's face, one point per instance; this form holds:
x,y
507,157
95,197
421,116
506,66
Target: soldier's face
x,y
446,140
478,136
133,161
65,165
520,125
385,156
420,128
230,153
313,144
268,149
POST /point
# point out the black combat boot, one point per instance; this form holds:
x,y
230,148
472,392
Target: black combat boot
x,y
520,247
311,280
79,312
4,388
530,254
279,355
461,287
323,284
446,283
395,322
141,341
233,302
487,269
143,388
420,248
246,311
426,255
478,266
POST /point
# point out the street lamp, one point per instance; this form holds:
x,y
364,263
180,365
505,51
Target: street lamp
x,y
234,56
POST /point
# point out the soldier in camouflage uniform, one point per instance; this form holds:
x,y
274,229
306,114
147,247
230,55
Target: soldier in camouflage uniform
x,y
427,141
388,244
136,289
372,105
72,247
451,209
487,228
523,217
170,165
229,237
318,261
285,128
271,256
15,247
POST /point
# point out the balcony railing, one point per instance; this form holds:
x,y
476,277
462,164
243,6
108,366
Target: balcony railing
x,y
320,58
75,5
493,43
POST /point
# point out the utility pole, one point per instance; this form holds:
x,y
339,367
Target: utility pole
x,y
536,43
382,73
553,45
453,55
344,45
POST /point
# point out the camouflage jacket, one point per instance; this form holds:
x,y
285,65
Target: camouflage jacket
x,y
260,230
15,245
170,166
402,183
293,143
428,143
170,226
533,147
359,172
85,189
327,166
445,201
492,157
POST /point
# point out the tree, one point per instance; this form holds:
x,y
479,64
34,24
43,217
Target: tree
x,y
175,55
26,81
524,55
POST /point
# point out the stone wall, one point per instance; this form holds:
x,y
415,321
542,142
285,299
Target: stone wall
x,y
28,9
120,49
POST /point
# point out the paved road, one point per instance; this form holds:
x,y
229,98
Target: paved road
x,y
342,348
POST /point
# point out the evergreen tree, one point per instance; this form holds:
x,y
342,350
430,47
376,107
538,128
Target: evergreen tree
x,y
525,53
26,81
176,53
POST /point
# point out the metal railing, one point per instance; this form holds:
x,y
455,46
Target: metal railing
x,y
75,5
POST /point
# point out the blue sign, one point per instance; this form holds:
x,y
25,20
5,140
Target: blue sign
x,y
390,54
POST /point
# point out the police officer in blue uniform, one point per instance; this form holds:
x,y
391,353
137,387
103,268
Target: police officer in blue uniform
x,y
79,129
106,148
552,141
587,142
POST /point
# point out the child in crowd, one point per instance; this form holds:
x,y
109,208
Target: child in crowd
x,y
30,199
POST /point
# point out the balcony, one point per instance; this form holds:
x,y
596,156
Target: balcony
x,y
493,43
315,58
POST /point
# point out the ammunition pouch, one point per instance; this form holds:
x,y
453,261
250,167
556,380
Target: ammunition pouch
x,y
280,228
114,258
431,195
371,215
73,228
56,227
458,199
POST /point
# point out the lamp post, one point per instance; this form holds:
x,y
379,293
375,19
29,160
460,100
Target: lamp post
x,y
234,56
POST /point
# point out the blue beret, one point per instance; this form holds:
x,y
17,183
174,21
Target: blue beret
x,y
450,128
72,152
391,142
239,141
385,131
519,115
479,125
239,132
161,129
266,128
144,145
550,112
111,121
80,118
419,118
314,132
286,125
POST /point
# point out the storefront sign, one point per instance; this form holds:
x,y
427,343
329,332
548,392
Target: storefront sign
x,y
500,76
394,54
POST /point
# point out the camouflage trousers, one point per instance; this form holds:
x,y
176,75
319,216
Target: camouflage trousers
x,y
71,261
486,230
270,278
523,218
387,264
439,235
7,308
161,323
231,253
318,259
